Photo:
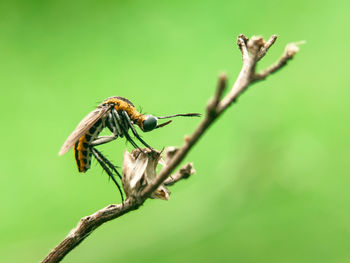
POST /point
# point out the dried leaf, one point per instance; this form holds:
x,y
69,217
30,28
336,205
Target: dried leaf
x,y
139,169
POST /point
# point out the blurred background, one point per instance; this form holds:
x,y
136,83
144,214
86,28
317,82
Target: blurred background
x,y
272,181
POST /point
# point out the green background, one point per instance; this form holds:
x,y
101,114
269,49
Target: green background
x,y
272,181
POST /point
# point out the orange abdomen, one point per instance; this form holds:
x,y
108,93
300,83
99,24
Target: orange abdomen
x,y
82,148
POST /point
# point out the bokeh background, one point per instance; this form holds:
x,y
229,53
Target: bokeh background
x,y
272,181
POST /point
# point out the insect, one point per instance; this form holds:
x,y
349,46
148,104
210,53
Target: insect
x,y
119,115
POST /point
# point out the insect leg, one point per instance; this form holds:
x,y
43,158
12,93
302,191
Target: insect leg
x,y
103,139
105,163
118,119
114,128
134,130
113,124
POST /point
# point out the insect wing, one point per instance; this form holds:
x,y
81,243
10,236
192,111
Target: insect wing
x,y
83,127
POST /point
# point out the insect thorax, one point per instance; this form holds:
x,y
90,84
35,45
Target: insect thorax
x,y
123,104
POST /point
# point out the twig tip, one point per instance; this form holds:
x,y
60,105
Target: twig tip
x,y
293,48
222,77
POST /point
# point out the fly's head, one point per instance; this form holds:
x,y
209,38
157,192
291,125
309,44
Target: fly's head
x,y
149,123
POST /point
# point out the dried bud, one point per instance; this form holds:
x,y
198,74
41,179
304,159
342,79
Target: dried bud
x,y
169,153
187,138
293,48
139,169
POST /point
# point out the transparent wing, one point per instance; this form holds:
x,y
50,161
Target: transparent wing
x,y
83,127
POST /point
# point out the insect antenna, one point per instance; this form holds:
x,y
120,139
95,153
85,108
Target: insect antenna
x,y
175,115
182,115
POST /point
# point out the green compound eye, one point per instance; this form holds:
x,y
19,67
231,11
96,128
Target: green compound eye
x,y
150,123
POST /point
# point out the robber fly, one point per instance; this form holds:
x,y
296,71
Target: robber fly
x,y
118,115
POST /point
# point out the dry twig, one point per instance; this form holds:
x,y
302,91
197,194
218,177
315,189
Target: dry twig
x,y
252,50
